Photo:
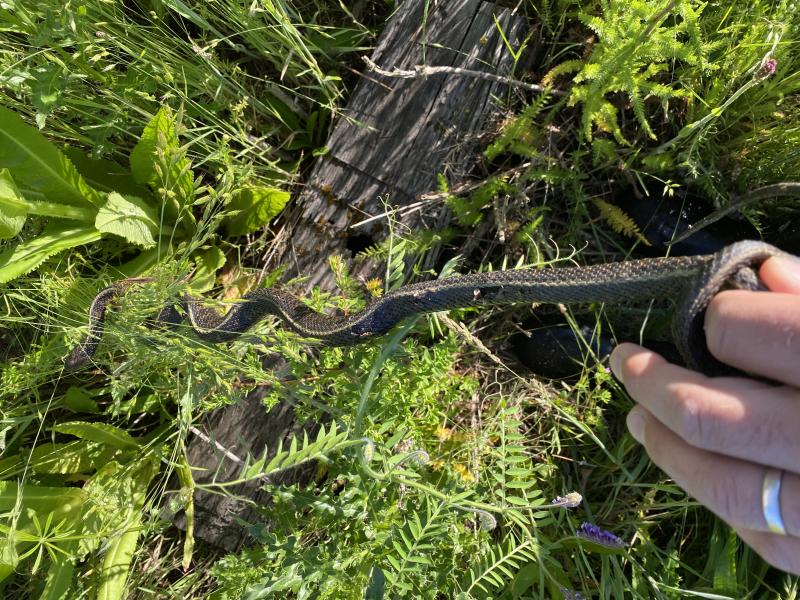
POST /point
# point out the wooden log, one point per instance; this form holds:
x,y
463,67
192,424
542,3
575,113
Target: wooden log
x,y
391,142
218,455
397,135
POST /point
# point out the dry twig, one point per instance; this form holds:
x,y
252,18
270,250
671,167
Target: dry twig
x,y
421,71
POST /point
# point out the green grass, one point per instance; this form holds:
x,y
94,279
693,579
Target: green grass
x,y
255,81
440,455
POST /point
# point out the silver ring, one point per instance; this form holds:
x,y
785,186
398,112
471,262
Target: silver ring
x,y
771,500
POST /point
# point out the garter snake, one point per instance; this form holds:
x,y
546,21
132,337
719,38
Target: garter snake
x,y
696,279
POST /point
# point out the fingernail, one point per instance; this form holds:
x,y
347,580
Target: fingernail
x,y
636,424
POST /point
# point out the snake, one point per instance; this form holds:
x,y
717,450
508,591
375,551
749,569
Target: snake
x,y
694,279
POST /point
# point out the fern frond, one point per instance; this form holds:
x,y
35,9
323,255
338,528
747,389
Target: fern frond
x,y
636,45
619,221
594,23
564,68
603,151
637,103
468,211
519,134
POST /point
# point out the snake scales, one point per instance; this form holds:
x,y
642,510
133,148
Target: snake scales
x,y
694,278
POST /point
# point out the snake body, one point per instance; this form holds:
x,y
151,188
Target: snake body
x,y
695,278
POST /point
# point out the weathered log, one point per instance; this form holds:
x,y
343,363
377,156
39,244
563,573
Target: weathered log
x,y
391,142
218,455
397,135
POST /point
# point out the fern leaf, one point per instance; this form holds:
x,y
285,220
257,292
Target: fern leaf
x,y
564,68
619,221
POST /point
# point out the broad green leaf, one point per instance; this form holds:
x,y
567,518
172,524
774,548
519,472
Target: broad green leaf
x,y
140,403
80,456
15,79
208,261
9,464
8,558
128,217
254,207
57,237
98,432
530,575
40,169
143,157
48,83
117,562
13,207
184,471
117,495
145,260
377,584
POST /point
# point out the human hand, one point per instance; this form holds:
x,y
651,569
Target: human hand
x,y
717,437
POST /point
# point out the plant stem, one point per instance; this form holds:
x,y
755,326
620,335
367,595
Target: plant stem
x,y
775,190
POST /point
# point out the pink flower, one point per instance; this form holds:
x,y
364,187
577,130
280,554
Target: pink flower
x,y
767,68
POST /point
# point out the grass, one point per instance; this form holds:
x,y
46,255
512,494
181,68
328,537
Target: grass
x,y
440,455
254,81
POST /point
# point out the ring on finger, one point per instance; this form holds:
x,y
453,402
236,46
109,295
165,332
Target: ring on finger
x,y
771,500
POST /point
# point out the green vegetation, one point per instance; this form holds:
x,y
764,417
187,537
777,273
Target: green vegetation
x,y
160,138
154,200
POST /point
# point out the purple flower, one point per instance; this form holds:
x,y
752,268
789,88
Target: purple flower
x,y
591,532
571,594
767,68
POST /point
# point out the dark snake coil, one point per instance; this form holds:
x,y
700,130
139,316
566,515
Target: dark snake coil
x,y
696,279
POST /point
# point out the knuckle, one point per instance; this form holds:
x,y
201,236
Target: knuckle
x,y
632,381
729,500
716,327
695,425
